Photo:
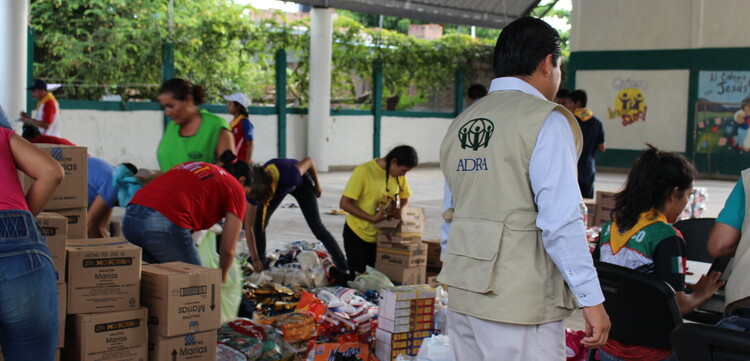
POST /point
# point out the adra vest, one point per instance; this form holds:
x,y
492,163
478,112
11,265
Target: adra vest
x,y
496,265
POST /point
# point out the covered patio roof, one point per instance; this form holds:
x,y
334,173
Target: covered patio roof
x,y
484,13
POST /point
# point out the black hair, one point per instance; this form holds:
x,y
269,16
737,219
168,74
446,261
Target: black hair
x,y
476,91
652,179
523,44
563,94
579,96
131,167
404,156
745,102
261,191
236,167
181,88
30,131
242,108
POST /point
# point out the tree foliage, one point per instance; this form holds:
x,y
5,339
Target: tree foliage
x,y
226,47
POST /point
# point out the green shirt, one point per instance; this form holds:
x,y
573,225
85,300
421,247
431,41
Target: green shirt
x,y
201,146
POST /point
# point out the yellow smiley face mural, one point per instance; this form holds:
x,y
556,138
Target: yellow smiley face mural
x,y
630,106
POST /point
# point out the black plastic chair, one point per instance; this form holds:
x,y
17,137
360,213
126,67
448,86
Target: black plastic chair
x,y
695,232
696,342
641,307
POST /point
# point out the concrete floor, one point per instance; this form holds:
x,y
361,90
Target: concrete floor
x,y
287,224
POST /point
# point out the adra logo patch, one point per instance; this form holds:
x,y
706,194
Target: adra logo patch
x,y
476,133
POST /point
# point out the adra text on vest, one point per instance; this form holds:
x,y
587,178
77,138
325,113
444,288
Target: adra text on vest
x,y
472,165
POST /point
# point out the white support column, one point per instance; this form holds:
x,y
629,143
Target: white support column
x,y
318,116
14,16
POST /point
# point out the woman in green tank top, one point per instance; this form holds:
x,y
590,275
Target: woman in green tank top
x,y
194,134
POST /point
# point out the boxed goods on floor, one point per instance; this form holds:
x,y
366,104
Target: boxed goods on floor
x,y
408,229
62,295
73,191
77,222
405,319
181,298
104,274
199,346
404,255
109,336
404,275
605,202
328,351
55,228
434,264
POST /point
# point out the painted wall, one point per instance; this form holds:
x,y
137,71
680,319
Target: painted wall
x,y
598,25
133,136
639,106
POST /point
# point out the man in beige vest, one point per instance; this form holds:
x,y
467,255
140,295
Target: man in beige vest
x,y
729,238
517,262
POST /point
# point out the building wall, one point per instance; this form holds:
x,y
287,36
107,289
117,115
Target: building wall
x,y
670,51
598,25
133,136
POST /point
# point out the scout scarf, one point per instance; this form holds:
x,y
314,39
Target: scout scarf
x,y
584,114
46,98
617,239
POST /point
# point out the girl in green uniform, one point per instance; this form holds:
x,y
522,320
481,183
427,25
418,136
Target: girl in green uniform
x,y
640,237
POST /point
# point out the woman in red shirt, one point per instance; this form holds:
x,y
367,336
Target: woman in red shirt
x,y
190,197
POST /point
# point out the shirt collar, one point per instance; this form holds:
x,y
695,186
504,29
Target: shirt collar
x,y
514,84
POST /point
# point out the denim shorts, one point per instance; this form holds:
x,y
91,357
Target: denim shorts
x,y
28,290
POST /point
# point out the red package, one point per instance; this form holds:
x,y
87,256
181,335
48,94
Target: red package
x,y
311,305
574,349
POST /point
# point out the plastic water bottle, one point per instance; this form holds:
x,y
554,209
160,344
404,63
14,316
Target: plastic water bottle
x,y
584,213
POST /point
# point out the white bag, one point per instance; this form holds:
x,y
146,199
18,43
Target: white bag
x,y
435,348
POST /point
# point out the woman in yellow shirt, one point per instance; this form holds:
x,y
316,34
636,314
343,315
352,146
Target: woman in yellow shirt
x,y
370,196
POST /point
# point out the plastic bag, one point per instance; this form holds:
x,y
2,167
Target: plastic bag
x,y
372,279
231,290
403,357
441,310
435,348
246,336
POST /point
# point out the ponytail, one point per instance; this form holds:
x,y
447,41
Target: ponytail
x,y
404,156
181,88
235,167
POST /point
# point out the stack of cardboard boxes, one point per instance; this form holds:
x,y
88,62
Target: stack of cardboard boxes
x,y
401,255
71,197
105,319
55,227
405,319
605,203
184,312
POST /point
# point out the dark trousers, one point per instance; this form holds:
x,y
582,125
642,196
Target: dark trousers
x,y
359,253
308,204
587,189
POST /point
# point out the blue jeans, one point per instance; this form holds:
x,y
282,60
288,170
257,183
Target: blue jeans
x,y
603,356
28,290
161,240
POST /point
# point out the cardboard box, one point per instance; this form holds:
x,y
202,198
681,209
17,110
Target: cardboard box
x,y
412,221
402,256
109,336
433,253
55,229
73,191
385,352
403,275
386,236
104,275
390,299
181,298
605,198
62,296
326,351
191,347
77,222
